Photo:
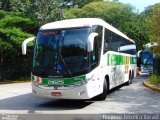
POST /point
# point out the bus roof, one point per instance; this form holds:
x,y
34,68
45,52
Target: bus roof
x,y
82,22
151,44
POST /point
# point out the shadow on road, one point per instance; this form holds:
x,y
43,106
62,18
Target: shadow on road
x,y
30,103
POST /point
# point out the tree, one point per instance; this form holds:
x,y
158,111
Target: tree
x,y
118,15
14,28
45,10
77,3
5,5
14,5
153,20
137,30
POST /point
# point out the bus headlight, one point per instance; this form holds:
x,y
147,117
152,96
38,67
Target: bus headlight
x,y
37,81
80,83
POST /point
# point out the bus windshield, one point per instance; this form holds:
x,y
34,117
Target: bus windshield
x,y
61,52
147,58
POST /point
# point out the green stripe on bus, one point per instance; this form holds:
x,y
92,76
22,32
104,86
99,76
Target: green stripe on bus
x,y
64,81
113,59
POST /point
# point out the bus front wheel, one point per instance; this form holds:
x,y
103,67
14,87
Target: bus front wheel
x,y
103,95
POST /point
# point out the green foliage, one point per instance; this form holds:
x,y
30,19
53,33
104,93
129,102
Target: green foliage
x,y
118,15
14,5
25,16
152,22
19,5
109,11
25,24
13,30
137,30
5,5
155,79
14,37
45,11
2,14
77,3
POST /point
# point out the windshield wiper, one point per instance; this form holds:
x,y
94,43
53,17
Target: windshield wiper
x,y
65,64
60,55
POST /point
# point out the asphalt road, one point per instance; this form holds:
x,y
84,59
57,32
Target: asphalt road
x,y
133,99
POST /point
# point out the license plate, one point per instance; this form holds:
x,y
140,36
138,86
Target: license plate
x,y
56,93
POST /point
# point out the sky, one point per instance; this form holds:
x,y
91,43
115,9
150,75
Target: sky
x,y
140,4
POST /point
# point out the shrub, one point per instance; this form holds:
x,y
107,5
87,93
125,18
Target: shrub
x,y
155,79
13,30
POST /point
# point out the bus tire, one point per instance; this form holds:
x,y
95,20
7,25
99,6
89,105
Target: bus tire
x,y
132,74
103,95
130,79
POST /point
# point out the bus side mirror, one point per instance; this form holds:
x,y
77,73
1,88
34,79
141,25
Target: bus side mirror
x,y
24,44
91,41
139,53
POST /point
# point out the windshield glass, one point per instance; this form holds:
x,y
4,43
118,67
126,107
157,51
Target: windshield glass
x,y
147,58
61,52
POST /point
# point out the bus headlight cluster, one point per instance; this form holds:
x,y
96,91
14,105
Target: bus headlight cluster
x,y
34,83
37,81
78,84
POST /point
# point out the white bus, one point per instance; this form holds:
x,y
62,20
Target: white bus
x,y
80,59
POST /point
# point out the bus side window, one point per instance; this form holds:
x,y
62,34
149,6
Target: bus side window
x,y
108,39
94,55
105,47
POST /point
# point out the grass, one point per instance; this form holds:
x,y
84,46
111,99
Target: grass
x,y
155,79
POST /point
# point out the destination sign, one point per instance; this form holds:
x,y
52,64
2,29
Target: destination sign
x,y
50,33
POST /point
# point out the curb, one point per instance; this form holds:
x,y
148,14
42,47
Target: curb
x,y
13,82
145,83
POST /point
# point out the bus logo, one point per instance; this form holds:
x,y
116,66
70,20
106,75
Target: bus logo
x,y
55,82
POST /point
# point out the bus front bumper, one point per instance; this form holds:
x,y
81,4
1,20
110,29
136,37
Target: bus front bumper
x,y
81,92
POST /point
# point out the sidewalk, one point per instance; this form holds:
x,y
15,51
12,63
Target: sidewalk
x,y
149,85
12,82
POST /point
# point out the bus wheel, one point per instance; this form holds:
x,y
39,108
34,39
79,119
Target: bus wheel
x,y
105,91
130,79
132,75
